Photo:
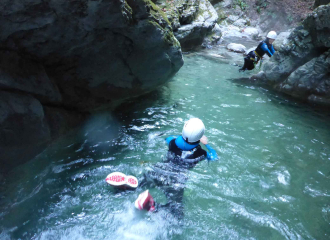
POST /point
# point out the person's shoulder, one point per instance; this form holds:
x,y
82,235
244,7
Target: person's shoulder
x,y
200,150
172,145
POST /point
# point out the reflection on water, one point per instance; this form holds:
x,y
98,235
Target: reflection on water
x,y
271,182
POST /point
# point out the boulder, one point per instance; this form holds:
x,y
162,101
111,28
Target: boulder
x,y
95,52
60,60
310,79
191,34
229,31
22,74
251,32
24,130
236,47
300,67
232,18
281,40
240,22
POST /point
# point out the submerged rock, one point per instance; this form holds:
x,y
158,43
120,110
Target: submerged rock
x,y
72,57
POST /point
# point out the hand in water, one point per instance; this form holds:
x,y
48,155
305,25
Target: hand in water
x,y
204,140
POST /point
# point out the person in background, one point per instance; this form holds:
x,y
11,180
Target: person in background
x,y
184,153
264,47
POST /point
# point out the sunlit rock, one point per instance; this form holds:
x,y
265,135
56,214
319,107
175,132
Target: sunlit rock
x,y
240,48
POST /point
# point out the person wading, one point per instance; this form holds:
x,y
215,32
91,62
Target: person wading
x,y
184,152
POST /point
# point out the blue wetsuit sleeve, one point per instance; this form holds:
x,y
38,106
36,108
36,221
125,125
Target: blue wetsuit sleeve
x,y
266,50
170,138
211,154
272,50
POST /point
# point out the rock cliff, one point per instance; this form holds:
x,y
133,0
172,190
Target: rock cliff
x,y
191,20
301,67
61,59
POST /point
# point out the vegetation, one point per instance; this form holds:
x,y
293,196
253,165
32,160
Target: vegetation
x,y
241,4
261,4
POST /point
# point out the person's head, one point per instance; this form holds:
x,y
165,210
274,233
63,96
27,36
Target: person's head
x,y
193,130
271,36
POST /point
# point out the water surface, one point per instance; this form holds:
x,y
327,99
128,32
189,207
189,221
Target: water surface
x,y
272,180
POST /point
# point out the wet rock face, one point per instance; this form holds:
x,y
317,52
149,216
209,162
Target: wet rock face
x,y
194,32
72,57
191,20
310,80
301,66
23,128
318,3
95,51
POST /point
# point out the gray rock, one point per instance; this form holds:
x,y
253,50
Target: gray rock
x,y
226,3
281,40
78,55
240,22
251,31
191,35
26,75
240,48
23,128
310,78
301,67
217,30
96,52
230,31
232,18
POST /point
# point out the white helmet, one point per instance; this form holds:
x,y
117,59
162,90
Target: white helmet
x,y
272,35
193,130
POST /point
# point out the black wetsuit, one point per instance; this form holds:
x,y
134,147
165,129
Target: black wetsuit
x,y
253,57
172,174
184,158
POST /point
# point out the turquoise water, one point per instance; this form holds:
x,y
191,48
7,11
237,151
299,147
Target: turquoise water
x,y
272,180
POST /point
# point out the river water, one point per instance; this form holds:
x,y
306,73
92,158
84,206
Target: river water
x,y
272,180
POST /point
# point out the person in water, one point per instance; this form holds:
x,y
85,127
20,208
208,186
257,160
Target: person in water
x,y
184,152
264,47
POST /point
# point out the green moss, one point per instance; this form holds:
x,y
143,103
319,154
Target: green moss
x,y
221,14
170,39
127,12
157,16
156,12
241,4
128,8
168,35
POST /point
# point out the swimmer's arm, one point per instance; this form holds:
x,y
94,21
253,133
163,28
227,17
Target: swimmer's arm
x,y
170,138
211,154
265,48
272,50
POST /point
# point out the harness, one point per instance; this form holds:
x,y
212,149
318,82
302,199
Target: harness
x,y
259,52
